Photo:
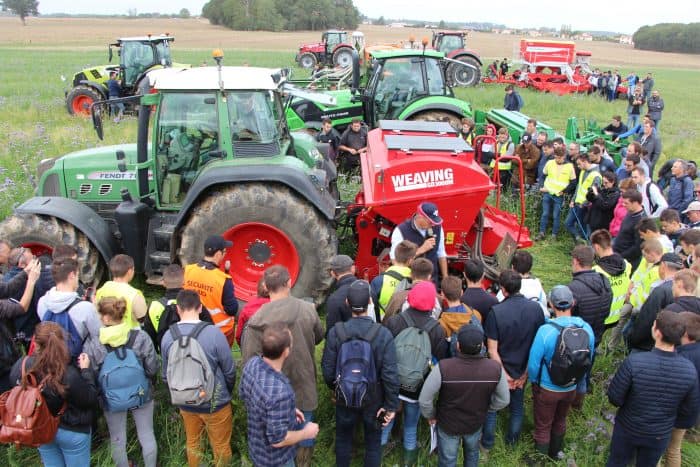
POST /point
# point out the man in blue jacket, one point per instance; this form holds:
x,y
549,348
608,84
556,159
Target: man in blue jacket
x,y
383,396
551,401
656,392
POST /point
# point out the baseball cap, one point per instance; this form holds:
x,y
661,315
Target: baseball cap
x,y
422,296
358,295
341,263
526,138
215,243
430,211
672,259
470,339
694,206
561,297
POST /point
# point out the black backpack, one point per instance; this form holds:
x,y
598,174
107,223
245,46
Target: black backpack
x,y
356,372
571,359
9,352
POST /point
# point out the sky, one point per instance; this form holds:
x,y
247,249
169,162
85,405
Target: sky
x,y
619,16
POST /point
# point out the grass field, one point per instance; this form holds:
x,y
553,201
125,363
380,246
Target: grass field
x,y
35,125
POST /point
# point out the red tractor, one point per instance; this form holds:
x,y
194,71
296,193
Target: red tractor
x,y
410,162
334,49
452,44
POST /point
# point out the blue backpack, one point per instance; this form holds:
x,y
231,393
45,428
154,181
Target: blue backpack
x,y
73,339
356,378
122,379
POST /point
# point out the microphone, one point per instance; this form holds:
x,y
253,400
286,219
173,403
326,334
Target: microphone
x,y
430,233
227,266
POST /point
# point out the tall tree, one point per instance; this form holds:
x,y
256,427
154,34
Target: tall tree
x,y
21,8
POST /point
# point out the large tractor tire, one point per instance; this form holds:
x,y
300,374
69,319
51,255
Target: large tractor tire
x,y
80,98
268,224
308,61
342,57
42,234
438,116
464,76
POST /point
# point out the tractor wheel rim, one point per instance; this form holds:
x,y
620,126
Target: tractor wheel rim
x,y
81,104
306,62
344,59
257,246
463,76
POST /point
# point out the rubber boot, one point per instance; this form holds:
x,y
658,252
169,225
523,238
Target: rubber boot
x,y
542,448
303,457
410,457
555,445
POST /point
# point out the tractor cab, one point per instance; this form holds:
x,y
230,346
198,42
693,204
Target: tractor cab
x,y
397,80
333,38
139,54
447,41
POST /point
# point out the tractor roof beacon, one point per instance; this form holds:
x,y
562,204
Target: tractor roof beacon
x,y
213,156
137,56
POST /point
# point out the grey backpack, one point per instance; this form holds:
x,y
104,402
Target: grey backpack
x,y
191,380
413,353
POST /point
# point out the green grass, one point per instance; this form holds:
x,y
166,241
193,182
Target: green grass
x,y
35,125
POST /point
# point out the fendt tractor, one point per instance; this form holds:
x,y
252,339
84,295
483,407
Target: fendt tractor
x,y
398,84
137,56
214,155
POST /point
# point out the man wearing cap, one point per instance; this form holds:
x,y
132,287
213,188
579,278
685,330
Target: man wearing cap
x,y
343,272
353,143
214,286
510,328
530,156
467,386
383,399
424,229
552,402
421,300
639,336
693,215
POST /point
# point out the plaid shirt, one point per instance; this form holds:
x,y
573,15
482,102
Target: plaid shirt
x,y
269,400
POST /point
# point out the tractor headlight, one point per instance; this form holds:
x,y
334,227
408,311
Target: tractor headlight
x,y
315,154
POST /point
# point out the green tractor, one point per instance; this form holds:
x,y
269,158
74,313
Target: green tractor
x,y
137,56
398,84
214,155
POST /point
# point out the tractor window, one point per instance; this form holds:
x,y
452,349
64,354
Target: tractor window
x,y
136,57
163,53
333,39
436,82
254,116
450,43
188,138
399,81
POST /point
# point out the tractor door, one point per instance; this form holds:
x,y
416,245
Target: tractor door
x,y
163,56
136,57
396,82
332,40
187,138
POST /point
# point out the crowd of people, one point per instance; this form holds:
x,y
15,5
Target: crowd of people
x,y
394,350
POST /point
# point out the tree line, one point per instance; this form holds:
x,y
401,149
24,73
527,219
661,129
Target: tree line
x,y
278,15
669,37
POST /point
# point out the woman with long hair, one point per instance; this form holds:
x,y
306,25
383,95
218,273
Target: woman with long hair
x,y
64,385
117,333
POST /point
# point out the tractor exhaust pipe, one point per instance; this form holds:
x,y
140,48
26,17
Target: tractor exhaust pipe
x,y
355,71
142,150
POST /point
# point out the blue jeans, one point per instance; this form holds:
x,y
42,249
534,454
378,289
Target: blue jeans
x,y
551,203
632,120
515,424
448,446
411,415
575,222
308,417
345,421
625,446
69,448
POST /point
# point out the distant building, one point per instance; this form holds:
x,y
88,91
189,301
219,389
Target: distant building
x,y
506,31
585,37
627,40
534,33
397,25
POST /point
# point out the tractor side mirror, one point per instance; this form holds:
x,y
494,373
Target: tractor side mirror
x,y
121,161
110,54
96,112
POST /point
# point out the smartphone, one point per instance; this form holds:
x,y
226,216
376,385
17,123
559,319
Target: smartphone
x,y
381,418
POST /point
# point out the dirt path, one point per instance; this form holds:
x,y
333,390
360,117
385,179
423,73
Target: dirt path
x,y
92,33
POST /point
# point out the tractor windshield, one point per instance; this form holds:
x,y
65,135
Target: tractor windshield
x,y
450,43
254,116
163,53
187,138
136,57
